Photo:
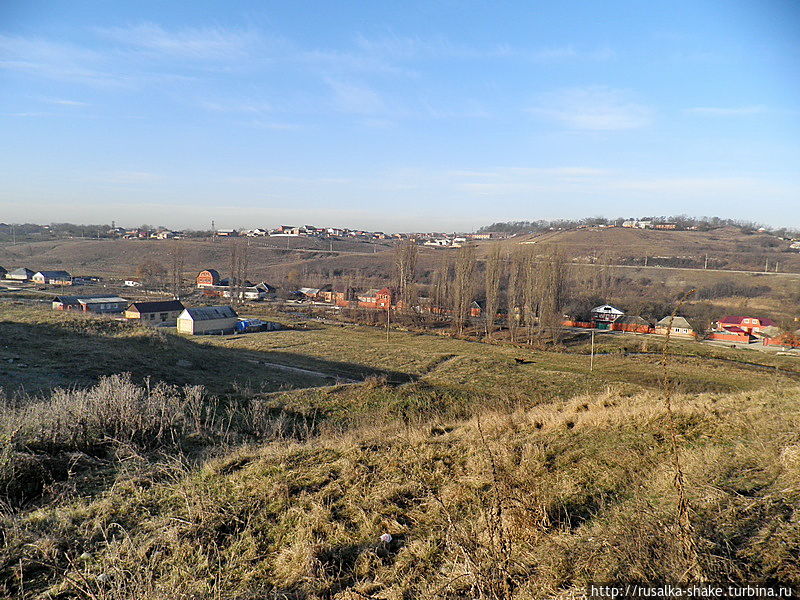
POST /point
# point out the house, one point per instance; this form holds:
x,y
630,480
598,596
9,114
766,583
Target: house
x,y
309,293
20,274
155,313
343,295
749,325
603,316
475,309
367,299
93,304
257,232
52,278
667,226
259,291
631,324
133,282
207,278
675,326
207,320
226,233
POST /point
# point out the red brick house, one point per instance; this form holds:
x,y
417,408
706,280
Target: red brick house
x,y
381,299
208,278
738,325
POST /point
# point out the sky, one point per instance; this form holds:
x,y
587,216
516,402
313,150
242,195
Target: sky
x,y
397,116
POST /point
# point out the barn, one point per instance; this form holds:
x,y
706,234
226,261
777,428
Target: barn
x,y
207,320
207,278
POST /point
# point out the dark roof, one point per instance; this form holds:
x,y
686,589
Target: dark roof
x,y
55,274
208,313
214,273
157,306
94,298
631,320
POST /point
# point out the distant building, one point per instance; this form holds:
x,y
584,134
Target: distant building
x,y
132,283
162,312
207,320
665,226
226,233
52,278
635,224
679,327
207,278
92,304
20,274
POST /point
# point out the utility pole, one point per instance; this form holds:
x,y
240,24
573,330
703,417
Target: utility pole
x,y
213,231
388,315
766,266
705,264
645,261
591,357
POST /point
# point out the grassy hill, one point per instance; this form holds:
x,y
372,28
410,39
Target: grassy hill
x,y
235,478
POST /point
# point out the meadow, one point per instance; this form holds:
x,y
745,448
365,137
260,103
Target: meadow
x,y
270,465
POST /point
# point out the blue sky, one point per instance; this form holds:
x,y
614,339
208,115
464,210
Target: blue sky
x,y
397,115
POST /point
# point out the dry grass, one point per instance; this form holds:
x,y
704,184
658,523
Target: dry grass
x,y
515,504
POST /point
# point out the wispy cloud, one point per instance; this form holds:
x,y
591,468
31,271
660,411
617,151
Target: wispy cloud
x,y
125,177
64,102
356,98
236,106
594,108
738,111
192,43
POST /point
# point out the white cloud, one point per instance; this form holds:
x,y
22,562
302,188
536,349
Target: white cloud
x,y
594,108
356,98
715,111
205,43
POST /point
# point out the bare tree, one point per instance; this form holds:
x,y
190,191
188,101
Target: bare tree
x,y
553,278
515,281
493,273
463,286
405,264
176,261
239,259
151,273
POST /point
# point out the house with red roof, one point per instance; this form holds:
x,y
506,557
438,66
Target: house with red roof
x,y
739,329
749,325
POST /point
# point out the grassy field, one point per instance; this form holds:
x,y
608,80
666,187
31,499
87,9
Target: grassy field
x,y
253,473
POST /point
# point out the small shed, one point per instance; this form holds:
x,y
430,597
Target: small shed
x,y
207,320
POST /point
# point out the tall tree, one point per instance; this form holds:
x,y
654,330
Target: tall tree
x,y
492,274
463,286
176,261
405,265
515,280
239,259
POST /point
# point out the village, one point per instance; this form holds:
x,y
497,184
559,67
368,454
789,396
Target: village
x,y
208,317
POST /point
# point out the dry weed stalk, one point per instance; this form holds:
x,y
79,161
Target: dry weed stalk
x,y
686,535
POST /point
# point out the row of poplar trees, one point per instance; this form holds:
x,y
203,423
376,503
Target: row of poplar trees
x,y
523,290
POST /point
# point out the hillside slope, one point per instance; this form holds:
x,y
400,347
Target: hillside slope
x,y
525,504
